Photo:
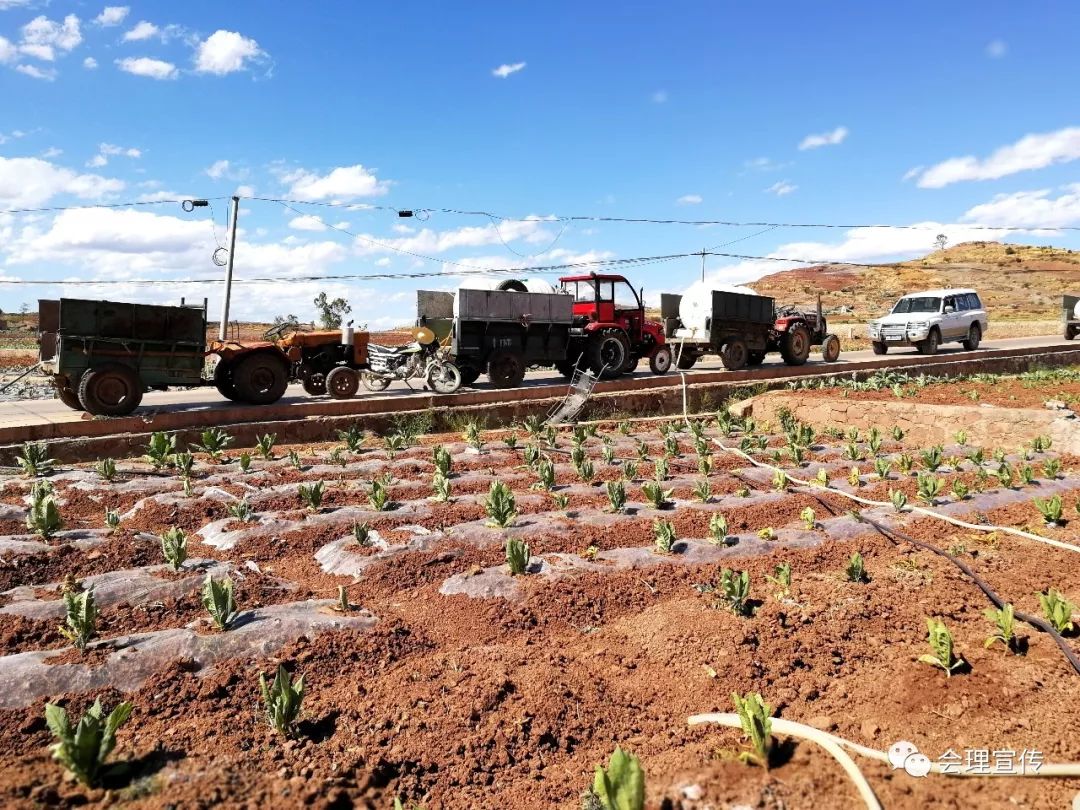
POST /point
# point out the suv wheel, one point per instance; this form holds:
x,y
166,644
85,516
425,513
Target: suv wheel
x,y
930,345
974,338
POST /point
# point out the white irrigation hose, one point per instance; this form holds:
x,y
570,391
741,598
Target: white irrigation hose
x,y
826,741
914,509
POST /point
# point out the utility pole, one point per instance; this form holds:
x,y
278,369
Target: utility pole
x,y
703,265
234,210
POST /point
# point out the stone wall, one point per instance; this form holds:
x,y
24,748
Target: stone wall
x,y
986,425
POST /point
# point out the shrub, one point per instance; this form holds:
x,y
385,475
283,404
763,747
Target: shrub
x,y
518,556
941,642
282,699
80,617
620,786
217,598
754,716
34,459
1058,610
500,505
174,547
82,750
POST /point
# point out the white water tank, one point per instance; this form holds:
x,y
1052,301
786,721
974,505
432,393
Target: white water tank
x,y
1076,311
695,308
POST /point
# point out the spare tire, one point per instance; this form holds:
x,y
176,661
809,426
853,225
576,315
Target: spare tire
x,y
260,378
110,390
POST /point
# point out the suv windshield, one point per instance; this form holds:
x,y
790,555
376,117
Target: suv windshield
x,y
926,304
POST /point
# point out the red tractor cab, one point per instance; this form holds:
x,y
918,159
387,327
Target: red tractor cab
x,y
610,333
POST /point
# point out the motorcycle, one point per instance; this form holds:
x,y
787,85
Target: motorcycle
x,y
422,359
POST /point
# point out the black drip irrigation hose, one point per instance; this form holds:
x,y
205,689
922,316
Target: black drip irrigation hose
x,y
1037,622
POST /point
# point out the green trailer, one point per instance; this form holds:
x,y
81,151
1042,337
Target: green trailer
x,y
103,355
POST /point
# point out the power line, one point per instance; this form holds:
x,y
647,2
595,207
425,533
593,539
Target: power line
x,y
61,208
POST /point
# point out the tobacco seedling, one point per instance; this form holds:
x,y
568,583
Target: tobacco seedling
x,y
854,478
1050,509
874,440
976,456
295,460
703,491
440,485
809,518
620,786
311,495
855,570
780,481
660,469
106,468
941,642
577,456
630,470
960,490
999,455
545,472
852,434
511,441
616,492
882,467
282,700
394,444
184,463
174,547
932,458
379,496
755,717
217,598
362,534
961,437
743,492
160,450
44,516
905,462
853,452
782,579
337,456
664,536
1058,610
1040,444
586,471
655,494
265,445
1005,475
443,461
245,462
734,591
214,442
80,617
929,487
822,478
671,446
897,433
473,436
518,556
533,425
561,500
898,498
1027,474
705,464
768,533
112,519
500,505
242,511
1051,468
34,459
607,454
718,529
624,428
1004,629
82,750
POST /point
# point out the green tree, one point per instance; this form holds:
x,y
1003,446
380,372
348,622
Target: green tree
x,y
331,312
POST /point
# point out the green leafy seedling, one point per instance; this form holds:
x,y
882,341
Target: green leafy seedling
x,y
174,547
500,506
1050,509
160,450
1004,627
703,491
217,598
1058,610
655,494
282,699
311,495
518,556
718,529
214,442
440,486
855,570
664,536
781,577
616,492
80,617
621,785
264,445
755,718
106,468
34,459
379,496
809,518
83,750
941,642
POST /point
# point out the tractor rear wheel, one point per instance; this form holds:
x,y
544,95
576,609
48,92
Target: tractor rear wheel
x,y
660,362
607,352
795,345
342,382
566,369
110,390
755,358
734,354
260,378
506,369
223,380
67,396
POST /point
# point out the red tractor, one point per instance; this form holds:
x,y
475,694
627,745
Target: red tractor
x,y
610,334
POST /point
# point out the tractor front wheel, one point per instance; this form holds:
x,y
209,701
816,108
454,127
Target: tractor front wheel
x,y
343,382
830,349
660,362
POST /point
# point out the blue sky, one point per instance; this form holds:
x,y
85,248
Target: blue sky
x,y
849,112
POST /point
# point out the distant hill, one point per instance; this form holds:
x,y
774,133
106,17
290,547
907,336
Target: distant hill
x,y
1014,281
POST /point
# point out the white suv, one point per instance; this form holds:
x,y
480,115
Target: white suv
x,y
925,320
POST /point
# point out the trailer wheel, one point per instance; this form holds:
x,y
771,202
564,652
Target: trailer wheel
x,y
342,382
260,378
607,352
1070,332
314,384
67,396
795,345
830,349
686,360
660,362
110,390
734,354
506,370
469,374
755,358
223,380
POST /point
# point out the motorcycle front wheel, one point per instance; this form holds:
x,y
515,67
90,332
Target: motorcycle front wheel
x,y
444,378
373,383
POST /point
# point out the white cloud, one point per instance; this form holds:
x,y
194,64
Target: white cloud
x,y
48,74
307,222
996,49
14,135
383,262
1034,151
142,30
107,150
29,182
504,71
112,15
9,4
824,139
659,97
52,152
765,164
162,196
41,36
689,199
397,227
342,183
218,169
226,52
97,161
429,242
1030,209
90,63
8,52
781,188
245,191
150,68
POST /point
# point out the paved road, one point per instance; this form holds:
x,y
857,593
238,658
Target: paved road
x,y
36,412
